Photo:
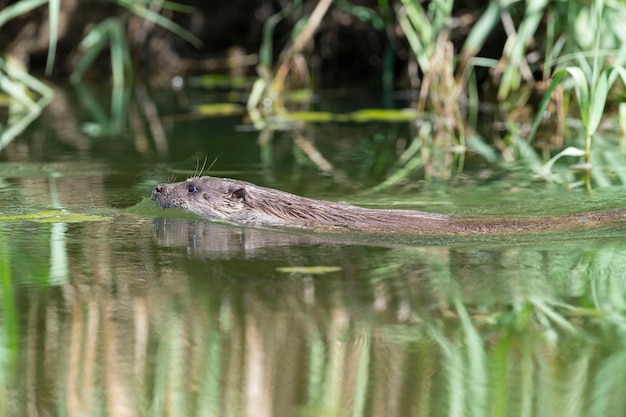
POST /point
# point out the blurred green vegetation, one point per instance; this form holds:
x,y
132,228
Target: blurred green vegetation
x,y
545,67
408,331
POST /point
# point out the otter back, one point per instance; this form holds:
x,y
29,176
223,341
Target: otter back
x,y
247,204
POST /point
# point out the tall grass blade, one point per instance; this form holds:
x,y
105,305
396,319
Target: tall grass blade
x,y
92,44
119,51
413,38
54,7
455,374
315,377
169,5
477,377
412,163
608,387
19,8
417,16
582,96
579,375
581,89
598,101
266,51
545,169
499,370
481,30
14,84
551,19
441,12
211,387
363,376
93,107
29,81
526,381
16,91
362,13
59,264
512,75
161,21
9,311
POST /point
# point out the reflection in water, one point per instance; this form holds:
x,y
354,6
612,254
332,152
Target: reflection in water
x,y
212,240
133,317
197,320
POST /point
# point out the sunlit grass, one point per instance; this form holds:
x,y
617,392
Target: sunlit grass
x,y
545,50
111,32
592,72
28,97
548,48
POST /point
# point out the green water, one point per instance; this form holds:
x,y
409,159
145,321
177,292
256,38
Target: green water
x,y
132,310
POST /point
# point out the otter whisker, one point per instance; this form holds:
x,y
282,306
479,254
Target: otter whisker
x,y
198,170
212,163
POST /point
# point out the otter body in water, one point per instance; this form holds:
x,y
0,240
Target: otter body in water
x,y
244,203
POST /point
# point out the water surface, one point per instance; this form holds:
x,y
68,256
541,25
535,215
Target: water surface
x,y
134,310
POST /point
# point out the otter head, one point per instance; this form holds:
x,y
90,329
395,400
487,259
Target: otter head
x,y
212,198
244,203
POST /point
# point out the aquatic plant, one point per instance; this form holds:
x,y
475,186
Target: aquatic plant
x,y
455,56
538,50
111,31
27,98
593,77
20,85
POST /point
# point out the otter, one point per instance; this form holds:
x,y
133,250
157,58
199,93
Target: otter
x,y
246,204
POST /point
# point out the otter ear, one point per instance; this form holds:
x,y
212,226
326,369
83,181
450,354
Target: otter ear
x,y
238,193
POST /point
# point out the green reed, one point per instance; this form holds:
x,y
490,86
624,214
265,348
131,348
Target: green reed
x,y
570,54
21,86
594,73
25,6
9,325
28,97
110,30
580,53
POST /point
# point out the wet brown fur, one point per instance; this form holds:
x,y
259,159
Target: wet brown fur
x,y
244,203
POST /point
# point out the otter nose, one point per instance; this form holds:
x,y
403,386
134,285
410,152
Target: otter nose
x,y
159,188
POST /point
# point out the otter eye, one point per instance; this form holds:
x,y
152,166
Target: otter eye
x,y
192,188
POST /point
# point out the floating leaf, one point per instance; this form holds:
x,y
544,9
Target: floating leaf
x,y
312,270
384,115
221,81
52,217
311,116
219,109
303,95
